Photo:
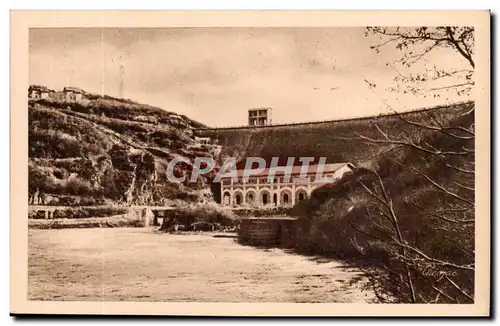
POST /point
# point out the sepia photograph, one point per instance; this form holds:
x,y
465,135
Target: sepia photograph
x,y
254,163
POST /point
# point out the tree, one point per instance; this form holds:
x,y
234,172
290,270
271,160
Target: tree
x,y
415,44
435,190
437,196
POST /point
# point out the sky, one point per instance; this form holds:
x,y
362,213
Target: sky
x,y
214,75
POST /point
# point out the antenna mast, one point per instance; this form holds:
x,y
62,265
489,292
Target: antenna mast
x,y
102,62
122,72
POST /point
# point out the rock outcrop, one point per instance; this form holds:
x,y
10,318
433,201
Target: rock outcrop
x,y
108,150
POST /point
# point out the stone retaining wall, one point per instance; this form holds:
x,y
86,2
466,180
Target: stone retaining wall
x,y
278,231
90,216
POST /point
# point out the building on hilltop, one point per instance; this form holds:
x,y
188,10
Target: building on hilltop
x,y
259,117
273,189
37,92
73,94
202,140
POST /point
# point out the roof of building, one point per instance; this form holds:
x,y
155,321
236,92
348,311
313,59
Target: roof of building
x,y
39,88
72,89
258,109
296,170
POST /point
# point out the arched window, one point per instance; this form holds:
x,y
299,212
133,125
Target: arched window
x,y
301,195
265,197
227,199
286,196
250,197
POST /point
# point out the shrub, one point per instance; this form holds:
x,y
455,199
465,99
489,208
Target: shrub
x,y
107,222
201,214
76,186
208,212
89,212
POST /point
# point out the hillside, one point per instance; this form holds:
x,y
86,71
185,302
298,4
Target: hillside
x,y
103,149
336,140
106,150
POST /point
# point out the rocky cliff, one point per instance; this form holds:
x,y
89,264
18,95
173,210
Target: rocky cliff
x,y
109,150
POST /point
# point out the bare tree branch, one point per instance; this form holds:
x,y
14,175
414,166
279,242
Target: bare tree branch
x,y
394,219
441,128
416,43
463,52
442,293
468,131
434,89
363,232
441,216
440,35
459,289
410,144
460,169
437,185
434,260
374,195
464,186
381,153
461,209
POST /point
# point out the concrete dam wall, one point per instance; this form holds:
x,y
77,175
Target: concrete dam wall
x,y
339,141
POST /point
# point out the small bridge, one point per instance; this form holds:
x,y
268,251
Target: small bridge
x,y
47,211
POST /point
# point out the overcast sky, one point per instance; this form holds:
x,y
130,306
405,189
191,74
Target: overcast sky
x,y
214,75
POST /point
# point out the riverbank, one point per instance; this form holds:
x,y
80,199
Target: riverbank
x,y
142,264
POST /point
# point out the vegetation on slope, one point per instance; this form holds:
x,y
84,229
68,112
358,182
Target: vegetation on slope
x,y
107,150
200,217
406,216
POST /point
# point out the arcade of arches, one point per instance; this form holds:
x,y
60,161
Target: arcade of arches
x,y
266,196
277,191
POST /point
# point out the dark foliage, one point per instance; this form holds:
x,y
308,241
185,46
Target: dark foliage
x,y
407,216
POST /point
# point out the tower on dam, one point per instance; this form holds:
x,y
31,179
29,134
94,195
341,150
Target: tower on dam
x,y
259,117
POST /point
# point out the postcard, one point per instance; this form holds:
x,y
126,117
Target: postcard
x,y
250,163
